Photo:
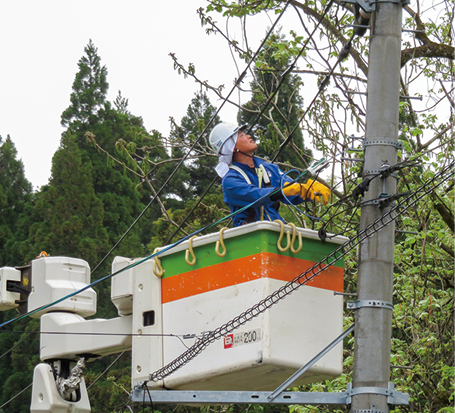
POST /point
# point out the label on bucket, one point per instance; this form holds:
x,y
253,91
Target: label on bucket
x,y
242,337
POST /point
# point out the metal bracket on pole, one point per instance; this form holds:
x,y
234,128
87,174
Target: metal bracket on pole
x,y
140,395
370,6
368,172
235,397
382,142
393,397
355,305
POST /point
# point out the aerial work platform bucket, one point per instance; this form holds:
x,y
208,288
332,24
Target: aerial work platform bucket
x,y
204,286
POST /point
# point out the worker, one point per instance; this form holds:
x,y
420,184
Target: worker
x,y
246,178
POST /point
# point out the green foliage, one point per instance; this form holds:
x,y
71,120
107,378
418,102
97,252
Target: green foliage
x,y
208,212
15,196
110,393
89,89
200,168
70,214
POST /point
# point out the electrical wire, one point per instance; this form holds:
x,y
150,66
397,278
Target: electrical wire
x,y
320,89
169,239
107,369
180,337
290,204
196,141
19,342
17,395
167,248
290,68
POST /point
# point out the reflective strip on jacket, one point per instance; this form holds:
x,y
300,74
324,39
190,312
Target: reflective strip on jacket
x,y
238,193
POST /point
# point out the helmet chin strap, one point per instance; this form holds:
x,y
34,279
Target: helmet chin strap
x,y
243,153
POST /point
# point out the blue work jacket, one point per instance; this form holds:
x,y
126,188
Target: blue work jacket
x,y
239,193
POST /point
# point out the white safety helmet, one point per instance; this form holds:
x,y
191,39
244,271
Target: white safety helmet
x,y
221,133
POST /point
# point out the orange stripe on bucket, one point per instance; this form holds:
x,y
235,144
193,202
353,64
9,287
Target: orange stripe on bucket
x,y
240,270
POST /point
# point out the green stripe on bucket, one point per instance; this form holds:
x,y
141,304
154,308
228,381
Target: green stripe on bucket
x,y
245,245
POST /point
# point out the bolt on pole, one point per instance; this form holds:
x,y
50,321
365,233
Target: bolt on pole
x,y
376,254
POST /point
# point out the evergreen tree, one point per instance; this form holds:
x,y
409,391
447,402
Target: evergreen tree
x,y
71,215
89,89
199,171
198,115
283,113
90,114
15,194
195,178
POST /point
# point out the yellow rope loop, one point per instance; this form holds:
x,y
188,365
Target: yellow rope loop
x,y
190,251
294,233
288,234
220,242
157,268
43,254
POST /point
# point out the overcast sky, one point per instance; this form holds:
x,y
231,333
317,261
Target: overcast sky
x,y
41,43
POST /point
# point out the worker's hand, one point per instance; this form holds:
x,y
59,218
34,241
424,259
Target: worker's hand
x,y
292,189
314,190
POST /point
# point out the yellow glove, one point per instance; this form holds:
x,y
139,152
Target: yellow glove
x,y
291,190
314,190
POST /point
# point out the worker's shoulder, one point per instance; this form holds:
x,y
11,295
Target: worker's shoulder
x,y
235,174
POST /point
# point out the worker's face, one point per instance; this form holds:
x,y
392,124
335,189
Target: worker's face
x,y
245,143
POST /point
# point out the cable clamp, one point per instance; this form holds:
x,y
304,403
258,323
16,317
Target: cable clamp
x,y
367,172
355,305
384,200
393,397
386,141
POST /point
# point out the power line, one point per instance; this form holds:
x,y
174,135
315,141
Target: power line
x,y
106,370
291,67
196,141
19,342
17,395
96,282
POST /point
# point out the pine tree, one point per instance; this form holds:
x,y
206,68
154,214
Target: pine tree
x,y
15,195
91,114
285,108
198,172
198,115
89,90
71,215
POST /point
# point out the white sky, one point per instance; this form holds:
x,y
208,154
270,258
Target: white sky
x,y
41,43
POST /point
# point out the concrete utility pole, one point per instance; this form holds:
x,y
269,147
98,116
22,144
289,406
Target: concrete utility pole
x,y
375,278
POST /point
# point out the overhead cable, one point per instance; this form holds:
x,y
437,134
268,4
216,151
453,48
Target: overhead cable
x,y
290,68
196,141
343,54
167,248
15,396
